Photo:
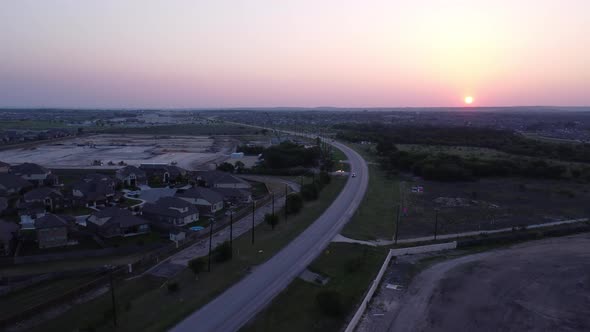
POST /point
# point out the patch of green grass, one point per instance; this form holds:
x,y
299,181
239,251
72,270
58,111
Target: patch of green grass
x,y
77,211
129,202
153,308
31,124
143,239
188,129
350,268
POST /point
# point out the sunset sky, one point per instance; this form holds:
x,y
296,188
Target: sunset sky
x,y
305,53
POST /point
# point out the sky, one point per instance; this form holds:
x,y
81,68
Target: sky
x,y
304,53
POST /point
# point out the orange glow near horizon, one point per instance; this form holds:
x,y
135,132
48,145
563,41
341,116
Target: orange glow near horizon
x,y
468,100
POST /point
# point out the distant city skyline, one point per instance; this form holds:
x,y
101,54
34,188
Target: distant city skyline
x,y
256,53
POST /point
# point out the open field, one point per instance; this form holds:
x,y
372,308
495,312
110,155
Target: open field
x,y
535,286
489,204
187,151
209,129
146,306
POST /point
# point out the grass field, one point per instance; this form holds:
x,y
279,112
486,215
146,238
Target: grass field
x,y
31,125
350,268
146,306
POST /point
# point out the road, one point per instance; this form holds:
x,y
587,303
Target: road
x,y
240,303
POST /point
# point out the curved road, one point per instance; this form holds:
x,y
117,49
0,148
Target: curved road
x,y
238,304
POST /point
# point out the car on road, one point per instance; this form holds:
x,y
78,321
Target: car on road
x,y
354,175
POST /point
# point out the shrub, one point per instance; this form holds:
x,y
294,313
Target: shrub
x,y
222,253
173,287
309,192
294,203
197,265
271,219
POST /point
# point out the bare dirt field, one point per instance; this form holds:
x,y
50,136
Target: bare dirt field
x,y
489,204
536,286
187,151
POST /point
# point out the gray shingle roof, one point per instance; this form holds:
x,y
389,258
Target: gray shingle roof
x,y
50,221
203,193
170,206
28,169
41,193
7,229
11,181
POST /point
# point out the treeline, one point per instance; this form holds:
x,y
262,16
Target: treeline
x,y
502,140
288,154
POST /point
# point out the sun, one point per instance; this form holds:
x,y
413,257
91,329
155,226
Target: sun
x,y
468,100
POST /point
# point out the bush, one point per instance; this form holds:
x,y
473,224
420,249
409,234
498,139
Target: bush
x,y
173,287
325,178
271,219
330,303
197,265
222,253
294,203
226,167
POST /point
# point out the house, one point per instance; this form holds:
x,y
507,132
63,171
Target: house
x,y
162,172
36,174
29,212
4,167
177,235
218,179
171,210
51,198
235,196
206,200
11,184
93,190
113,222
131,176
8,233
52,231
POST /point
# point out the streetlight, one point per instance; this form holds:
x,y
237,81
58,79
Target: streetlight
x,y
253,213
231,228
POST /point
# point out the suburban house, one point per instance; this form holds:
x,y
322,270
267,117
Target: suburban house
x,y
162,173
171,210
206,200
4,167
36,174
11,184
131,176
52,231
235,196
94,190
29,212
113,222
218,179
51,198
8,233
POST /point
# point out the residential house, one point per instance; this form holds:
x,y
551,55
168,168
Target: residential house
x,y
36,174
218,179
52,231
51,198
4,167
11,184
94,190
206,200
113,222
171,210
162,173
235,196
8,233
29,212
131,176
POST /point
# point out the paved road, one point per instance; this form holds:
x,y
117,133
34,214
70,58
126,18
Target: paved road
x,y
241,302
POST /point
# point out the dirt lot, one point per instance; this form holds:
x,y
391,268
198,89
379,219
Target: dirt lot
x,y
536,286
489,204
188,151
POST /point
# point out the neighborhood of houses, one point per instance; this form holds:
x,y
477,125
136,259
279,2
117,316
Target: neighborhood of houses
x,y
40,211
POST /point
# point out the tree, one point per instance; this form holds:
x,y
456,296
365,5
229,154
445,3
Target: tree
x,y
310,192
325,178
271,219
197,265
294,203
222,253
239,166
226,167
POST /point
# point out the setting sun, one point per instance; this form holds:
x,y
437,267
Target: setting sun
x,y
468,100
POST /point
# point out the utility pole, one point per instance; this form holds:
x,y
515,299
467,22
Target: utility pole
x,y
231,229
399,207
435,223
273,211
253,212
113,296
210,238
286,193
